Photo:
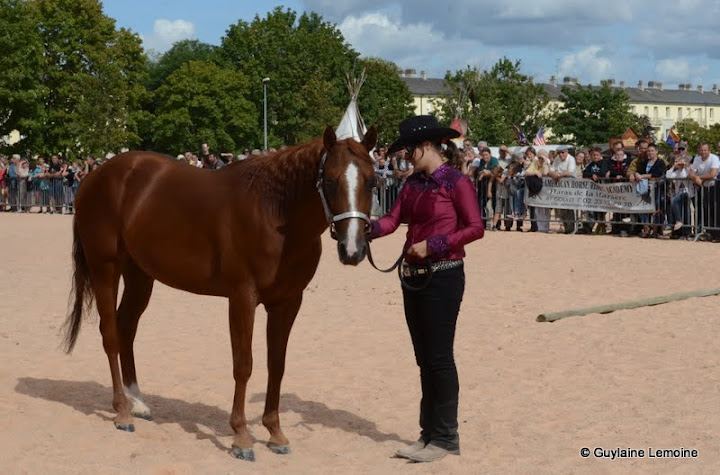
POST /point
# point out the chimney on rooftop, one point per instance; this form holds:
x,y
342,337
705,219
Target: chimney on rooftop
x,y
622,84
715,89
423,75
641,86
700,88
553,81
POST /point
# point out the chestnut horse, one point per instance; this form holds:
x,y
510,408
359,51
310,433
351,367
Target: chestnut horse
x,y
249,232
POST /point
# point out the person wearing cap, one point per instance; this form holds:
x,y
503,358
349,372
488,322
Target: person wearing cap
x,y
440,205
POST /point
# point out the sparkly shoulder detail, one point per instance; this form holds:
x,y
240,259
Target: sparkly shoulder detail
x,y
447,176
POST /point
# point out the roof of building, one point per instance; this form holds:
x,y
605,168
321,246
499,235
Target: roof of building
x,y
438,87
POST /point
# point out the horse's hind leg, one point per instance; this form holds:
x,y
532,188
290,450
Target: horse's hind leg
x,y
105,280
280,320
136,295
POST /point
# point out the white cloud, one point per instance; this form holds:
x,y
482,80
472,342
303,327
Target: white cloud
x,y
166,32
417,46
680,70
587,64
588,39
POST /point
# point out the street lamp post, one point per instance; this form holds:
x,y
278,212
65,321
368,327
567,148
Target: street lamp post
x,y
265,82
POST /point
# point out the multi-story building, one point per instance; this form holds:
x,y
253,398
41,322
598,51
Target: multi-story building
x,y
664,107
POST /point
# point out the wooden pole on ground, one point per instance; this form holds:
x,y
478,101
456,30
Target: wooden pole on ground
x,y
603,309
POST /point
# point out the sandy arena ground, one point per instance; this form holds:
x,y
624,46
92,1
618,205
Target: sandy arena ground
x,y
532,394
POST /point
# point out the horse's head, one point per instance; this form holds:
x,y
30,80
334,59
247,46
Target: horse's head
x,y
345,182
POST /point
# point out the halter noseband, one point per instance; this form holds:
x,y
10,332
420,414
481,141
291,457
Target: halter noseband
x,y
335,218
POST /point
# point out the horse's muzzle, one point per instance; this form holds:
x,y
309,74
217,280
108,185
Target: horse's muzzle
x,y
352,253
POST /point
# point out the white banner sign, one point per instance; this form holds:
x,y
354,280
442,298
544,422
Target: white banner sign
x,y
586,195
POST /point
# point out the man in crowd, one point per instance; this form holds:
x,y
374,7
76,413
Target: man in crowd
x,y
563,166
703,173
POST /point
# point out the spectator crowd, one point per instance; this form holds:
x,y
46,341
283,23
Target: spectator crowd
x,y
685,185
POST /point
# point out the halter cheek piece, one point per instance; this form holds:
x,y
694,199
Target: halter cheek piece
x,y
335,218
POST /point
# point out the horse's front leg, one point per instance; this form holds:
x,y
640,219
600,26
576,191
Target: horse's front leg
x,y
280,320
242,317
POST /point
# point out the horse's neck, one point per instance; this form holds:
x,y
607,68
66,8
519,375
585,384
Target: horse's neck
x,y
304,213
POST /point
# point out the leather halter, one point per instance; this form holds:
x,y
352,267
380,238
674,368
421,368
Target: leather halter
x,y
329,216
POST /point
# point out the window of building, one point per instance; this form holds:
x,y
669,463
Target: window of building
x,y
712,112
667,112
647,110
655,112
679,112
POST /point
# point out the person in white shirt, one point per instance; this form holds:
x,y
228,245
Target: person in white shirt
x,y
563,166
703,173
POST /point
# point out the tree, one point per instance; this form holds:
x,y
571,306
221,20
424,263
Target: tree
x,y
179,54
592,114
695,134
203,103
642,125
384,99
21,91
294,52
94,75
495,101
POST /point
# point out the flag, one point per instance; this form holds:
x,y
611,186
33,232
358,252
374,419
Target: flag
x,y
672,138
540,137
522,140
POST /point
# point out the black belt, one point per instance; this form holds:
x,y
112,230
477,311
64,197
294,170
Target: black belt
x,y
409,270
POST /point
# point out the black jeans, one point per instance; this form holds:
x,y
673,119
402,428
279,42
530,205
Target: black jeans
x,y
431,315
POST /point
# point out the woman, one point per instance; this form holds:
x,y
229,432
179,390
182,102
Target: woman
x,y
539,167
441,207
650,167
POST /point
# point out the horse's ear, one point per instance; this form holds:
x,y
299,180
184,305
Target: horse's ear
x,y
370,139
329,138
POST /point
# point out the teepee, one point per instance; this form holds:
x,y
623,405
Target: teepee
x,y
352,124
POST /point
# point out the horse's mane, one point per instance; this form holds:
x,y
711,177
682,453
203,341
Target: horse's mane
x,y
279,178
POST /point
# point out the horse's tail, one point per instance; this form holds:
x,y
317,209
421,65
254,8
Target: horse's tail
x,y
81,288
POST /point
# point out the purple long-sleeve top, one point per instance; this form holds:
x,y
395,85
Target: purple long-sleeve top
x,y
441,208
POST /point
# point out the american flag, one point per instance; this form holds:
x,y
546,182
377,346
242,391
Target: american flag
x,y
540,137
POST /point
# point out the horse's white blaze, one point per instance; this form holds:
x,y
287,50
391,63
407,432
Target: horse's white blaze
x,y
352,175
139,408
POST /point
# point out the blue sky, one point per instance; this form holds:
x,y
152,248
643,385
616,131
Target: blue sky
x,y
626,40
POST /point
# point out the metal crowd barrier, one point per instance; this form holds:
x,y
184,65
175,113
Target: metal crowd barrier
x,y
28,194
681,210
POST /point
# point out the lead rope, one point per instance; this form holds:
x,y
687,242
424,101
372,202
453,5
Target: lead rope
x,y
398,265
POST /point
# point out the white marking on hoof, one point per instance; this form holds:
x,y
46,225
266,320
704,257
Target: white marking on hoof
x,y
139,408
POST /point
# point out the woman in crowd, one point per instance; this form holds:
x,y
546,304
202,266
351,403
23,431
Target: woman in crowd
x,y
650,167
539,166
441,207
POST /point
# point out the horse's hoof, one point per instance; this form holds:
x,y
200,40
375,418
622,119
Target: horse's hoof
x,y
125,427
144,416
279,449
243,454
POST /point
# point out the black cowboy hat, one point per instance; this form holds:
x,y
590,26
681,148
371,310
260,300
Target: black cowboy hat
x,y
419,128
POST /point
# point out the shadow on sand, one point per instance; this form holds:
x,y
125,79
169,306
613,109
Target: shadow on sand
x,y
92,398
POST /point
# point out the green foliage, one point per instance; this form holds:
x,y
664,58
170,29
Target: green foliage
x,y
180,53
202,102
593,114
385,99
21,90
692,132
94,76
292,51
495,100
